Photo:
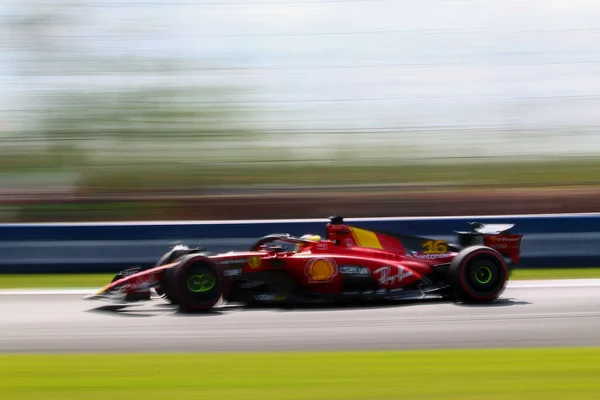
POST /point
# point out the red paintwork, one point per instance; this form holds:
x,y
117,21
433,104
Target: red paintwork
x,y
139,280
509,245
391,266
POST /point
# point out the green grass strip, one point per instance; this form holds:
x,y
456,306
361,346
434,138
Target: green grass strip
x,y
462,375
555,273
43,281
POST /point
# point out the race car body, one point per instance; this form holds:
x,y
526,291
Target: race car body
x,y
349,264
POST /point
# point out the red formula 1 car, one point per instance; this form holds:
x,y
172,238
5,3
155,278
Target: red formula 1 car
x,y
350,264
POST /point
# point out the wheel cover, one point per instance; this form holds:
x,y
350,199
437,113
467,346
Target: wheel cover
x,y
483,275
201,283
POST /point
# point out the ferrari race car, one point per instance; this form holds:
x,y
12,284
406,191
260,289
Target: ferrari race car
x,y
351,264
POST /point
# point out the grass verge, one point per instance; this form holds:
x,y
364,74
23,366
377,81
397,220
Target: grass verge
x,y
130,177
451,374
555,273
42,281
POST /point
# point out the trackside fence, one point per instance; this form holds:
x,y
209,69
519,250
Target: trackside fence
x,y
558,240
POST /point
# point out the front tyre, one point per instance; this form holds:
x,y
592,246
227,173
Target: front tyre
x,y
478,275
169,257
197,284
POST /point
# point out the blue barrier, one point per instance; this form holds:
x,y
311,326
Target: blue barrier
x,y
567,240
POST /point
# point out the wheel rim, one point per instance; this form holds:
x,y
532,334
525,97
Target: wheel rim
x,y
201,283
483,275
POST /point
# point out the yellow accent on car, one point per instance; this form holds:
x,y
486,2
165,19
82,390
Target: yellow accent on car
x,y
254,262
321,270
366,238
435,247
104,289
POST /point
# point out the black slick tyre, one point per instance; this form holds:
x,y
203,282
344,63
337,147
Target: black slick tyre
x,y
478,274
169,257
196,283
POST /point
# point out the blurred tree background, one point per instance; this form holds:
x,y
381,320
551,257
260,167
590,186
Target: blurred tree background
x,y
94,128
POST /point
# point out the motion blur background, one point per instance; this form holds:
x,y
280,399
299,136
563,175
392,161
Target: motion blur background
x,y
210,109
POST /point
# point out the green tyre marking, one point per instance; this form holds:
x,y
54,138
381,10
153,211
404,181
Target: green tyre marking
x,y
200,283
483,275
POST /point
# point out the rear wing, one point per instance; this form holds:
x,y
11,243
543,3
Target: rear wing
x,y
496,236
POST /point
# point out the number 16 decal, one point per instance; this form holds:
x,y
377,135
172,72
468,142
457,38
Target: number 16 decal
x,y
435,247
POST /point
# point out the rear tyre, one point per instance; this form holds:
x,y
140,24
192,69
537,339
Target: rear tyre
x,y
478,274
197,284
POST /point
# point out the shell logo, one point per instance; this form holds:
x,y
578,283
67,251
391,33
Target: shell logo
x,y
321,270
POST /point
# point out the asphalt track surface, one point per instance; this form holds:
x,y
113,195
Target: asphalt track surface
x,y
529,314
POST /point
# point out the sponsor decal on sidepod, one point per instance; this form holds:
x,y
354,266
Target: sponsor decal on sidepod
x,y
430,256
385,278
321,270
356,270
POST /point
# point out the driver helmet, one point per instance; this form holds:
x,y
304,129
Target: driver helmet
x,y
309,236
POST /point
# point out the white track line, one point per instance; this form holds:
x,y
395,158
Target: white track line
x,y
49,291
554,283
533,284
